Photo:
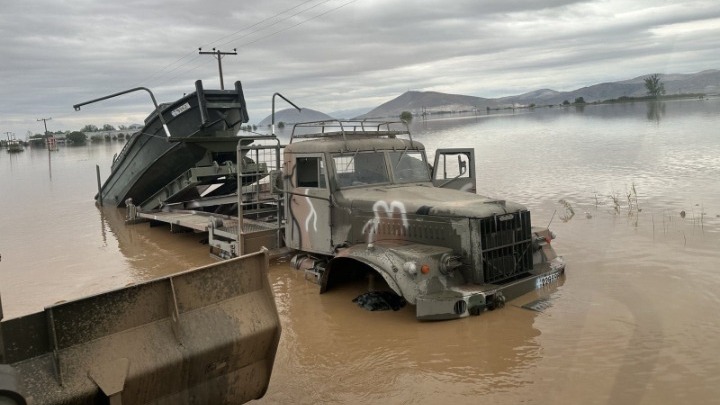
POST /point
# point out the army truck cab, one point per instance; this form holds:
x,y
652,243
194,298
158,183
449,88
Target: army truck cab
x,y
361,195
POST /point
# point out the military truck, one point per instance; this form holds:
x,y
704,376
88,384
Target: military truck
x,y
361,197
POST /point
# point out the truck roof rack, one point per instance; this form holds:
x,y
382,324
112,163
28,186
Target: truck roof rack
x,y
348,128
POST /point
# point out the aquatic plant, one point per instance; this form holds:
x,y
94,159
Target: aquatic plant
x,y
616,202
632,199
569,211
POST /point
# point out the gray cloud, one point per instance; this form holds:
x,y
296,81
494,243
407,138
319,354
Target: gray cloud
x,y
331,54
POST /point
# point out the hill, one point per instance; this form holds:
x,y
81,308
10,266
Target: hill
x,y
417,102
292,116
350,113
706,82
428,101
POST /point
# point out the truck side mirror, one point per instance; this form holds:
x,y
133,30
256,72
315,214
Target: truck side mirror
x,y
462,165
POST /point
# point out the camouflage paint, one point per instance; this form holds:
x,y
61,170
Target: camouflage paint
x,y
433,247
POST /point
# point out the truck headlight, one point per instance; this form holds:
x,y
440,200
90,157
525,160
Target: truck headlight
x,y
410,268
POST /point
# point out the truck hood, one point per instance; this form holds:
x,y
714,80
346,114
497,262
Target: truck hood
x,y
425,200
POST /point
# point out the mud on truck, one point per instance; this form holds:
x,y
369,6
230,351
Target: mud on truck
x,y
361,196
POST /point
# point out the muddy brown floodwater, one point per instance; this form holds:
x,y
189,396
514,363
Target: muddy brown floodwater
x,y
623,327
634,321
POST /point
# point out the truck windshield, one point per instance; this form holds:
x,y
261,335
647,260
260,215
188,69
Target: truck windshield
x,y
360,169
409,167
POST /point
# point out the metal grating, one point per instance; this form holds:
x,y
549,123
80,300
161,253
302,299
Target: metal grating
x,y
259,209
506,246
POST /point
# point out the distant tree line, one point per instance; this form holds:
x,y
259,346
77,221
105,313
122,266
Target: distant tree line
x,y
578,100
76,137
106,127
655,89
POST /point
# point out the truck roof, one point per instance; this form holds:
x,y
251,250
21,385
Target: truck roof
x,y
337,136
353,143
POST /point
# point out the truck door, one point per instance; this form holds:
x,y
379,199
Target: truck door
x,y
455,168
308,208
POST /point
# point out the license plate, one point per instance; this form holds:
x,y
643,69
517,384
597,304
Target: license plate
x,y
546,280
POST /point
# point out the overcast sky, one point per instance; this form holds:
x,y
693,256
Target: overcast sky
x,y
330,54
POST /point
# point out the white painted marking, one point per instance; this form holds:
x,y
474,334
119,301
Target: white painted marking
x,y
380,207
312,215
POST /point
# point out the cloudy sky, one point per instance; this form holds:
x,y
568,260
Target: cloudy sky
x,y
330,55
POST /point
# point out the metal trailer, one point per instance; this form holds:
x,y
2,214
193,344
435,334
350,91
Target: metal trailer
x,y
203,336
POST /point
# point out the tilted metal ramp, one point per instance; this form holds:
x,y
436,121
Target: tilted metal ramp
x,y
257,210
184,187
204,336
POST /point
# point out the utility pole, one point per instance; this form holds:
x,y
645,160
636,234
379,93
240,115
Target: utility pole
x,y
45,120
219,56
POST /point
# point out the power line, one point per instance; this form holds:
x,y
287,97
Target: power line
x,y
45,120
170,79
184,71
219,55
300,23
261,21
152,76
276,22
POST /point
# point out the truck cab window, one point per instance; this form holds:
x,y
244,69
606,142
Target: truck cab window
x,y
311,172
409,167
360,169
452,166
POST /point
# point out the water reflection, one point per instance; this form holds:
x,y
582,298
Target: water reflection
x,y
655,110
103,225
366,356
152,251
457,121
50,165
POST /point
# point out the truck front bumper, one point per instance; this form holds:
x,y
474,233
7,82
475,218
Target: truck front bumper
x,y
471,299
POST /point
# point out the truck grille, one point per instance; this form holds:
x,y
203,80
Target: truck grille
x,y
506,246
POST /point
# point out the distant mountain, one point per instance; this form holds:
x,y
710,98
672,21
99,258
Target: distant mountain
x,y
430,101
349,114
417,102
292,116
707,82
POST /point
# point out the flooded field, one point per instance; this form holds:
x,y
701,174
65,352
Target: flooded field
x,y
630,190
